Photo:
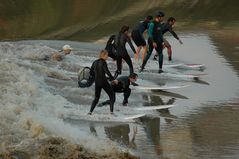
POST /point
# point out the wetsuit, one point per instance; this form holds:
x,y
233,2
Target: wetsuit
x,y
110,47
122,53
137,33
166,27
99,69
155,35
121,87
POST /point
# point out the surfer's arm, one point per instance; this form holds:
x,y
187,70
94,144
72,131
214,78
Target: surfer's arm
x,y
150,31
107,71
130,44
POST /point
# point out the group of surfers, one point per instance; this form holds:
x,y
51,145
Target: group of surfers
x,y
116,49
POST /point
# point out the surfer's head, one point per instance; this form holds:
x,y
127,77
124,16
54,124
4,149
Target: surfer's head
x,y
103,54
133,77
66,49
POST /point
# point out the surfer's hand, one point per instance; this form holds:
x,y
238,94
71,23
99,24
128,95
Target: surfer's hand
x,y
154,44
115,82
180,41
134,84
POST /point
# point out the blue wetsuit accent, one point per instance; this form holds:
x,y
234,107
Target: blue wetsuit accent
x,y
155,35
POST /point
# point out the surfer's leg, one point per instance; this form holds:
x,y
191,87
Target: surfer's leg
x,y
126,96
119,66
107,102
108,89
160,53
127,59
97,97
145,49
169,49
147,55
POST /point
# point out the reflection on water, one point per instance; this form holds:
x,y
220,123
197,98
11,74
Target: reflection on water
x,y
152,128
120,134
157,100
213,128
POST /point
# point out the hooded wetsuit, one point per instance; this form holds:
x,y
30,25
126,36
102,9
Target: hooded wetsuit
x,y
99,69
122,53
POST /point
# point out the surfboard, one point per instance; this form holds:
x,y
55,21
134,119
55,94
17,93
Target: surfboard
x,y
172,65
158,107
104,117
154,73
195,65
133,116
190,66
160,87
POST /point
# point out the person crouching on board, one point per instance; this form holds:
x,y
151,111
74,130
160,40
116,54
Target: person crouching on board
x,y
98,69
122,85
66,49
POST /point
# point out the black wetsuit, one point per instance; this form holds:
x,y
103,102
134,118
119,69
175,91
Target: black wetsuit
x,y
137,33
122,53
166,27
155,35
121,87
110,47
99,69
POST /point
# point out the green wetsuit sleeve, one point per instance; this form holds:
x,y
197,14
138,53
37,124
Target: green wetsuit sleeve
x,y
150,31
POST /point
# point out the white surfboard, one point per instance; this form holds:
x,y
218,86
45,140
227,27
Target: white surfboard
x,y
195,65
158,107
172,65
105,117
160,87
133,116
147,73
192,66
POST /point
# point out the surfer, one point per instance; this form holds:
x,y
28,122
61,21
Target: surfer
x,y
122,85
138,38
98,69
66,49
121,51
168,27
155,40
